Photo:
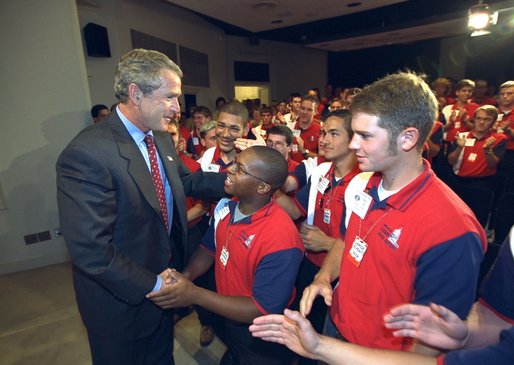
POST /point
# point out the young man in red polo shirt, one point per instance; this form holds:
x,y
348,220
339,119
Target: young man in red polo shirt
x,y
458,115
256,252
505,125
398,246
475,154
201,115
280,138
306,130
321,202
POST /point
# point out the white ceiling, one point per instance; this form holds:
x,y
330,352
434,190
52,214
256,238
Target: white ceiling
x,y
265,15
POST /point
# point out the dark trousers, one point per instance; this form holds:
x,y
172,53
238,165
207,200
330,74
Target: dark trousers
x,y
156,349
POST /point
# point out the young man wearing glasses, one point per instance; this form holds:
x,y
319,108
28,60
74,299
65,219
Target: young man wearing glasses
x,y
256,251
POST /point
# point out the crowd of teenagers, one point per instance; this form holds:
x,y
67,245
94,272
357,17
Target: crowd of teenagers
x,y
310,229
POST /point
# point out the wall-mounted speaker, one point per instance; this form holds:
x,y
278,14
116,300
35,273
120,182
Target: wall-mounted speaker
x,y
97,40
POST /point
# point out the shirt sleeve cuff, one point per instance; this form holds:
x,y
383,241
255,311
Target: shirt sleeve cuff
x,y
158,284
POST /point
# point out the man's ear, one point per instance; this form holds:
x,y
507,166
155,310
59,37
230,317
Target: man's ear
x,y
408,139
264,188
202,141
134,94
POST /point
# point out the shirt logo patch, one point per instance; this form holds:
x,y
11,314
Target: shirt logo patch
x,y
249,240
395,236
245,240
390,236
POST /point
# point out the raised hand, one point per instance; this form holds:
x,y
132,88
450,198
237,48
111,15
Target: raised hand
x,y
291,329
434,325
319,286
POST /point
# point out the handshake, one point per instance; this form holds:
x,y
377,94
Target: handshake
x,y
177,290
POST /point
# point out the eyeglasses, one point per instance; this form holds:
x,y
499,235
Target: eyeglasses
x,y
277,144
239,169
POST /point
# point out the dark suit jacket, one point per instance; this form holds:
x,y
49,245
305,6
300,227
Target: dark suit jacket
x,y
112,223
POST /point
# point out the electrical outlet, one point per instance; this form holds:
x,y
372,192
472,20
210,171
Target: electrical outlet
x,y
44,236
31,239
58,232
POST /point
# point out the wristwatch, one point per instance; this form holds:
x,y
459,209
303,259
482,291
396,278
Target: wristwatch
x,y
305,152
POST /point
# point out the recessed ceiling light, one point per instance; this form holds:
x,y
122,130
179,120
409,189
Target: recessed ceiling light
x,y
354,4
265,5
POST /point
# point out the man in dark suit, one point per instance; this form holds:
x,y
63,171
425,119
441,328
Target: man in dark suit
x,y
121,201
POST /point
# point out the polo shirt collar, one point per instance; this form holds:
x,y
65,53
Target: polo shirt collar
x,y
255,217
402,199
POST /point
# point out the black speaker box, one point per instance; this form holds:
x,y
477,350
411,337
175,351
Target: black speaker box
x,y
97,40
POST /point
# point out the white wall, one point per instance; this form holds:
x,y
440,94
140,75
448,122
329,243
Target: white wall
x,y
43,105
292,68
49,85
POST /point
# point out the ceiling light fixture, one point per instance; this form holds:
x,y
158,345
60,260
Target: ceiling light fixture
x,y
480,18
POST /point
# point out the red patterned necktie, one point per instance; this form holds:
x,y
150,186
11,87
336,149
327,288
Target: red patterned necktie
x,y
157,177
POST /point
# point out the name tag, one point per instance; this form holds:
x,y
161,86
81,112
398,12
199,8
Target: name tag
x,y
221,212
472,157
469,142
326,216
294,147
297,132
224,257
457,125
360,203
196,142
357,251
213,167
322,185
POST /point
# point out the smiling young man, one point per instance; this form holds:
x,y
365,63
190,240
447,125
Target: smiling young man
x,y
475,155
398,244
230,126
321,202
459,114
256,252
306,130
121,195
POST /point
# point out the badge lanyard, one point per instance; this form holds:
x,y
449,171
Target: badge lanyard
x,y
225,253
359,246
325,205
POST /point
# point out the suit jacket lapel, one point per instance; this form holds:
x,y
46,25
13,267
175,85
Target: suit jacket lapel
x,y
137,167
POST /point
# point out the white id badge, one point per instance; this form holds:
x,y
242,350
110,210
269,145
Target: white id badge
x,y
221,212
326,216
213,168
357,251
297,132
472,157
360,203
322,184
196,142
470,142
294,147
224,256
457,125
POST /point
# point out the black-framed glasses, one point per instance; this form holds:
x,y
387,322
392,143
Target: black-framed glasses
x,y
239,168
